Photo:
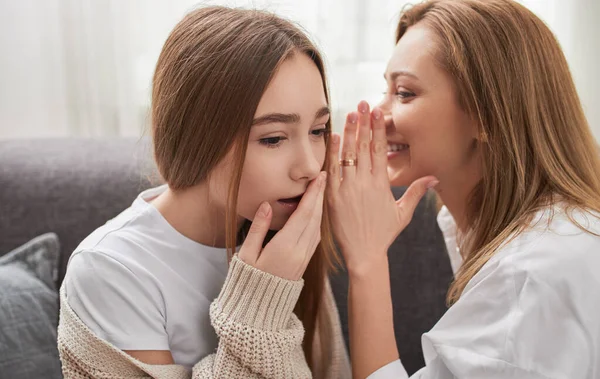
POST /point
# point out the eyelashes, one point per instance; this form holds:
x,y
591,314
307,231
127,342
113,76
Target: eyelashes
x,y
273,142
402,95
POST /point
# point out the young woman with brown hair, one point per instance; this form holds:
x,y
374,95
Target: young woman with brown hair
x,y
240,120
481,106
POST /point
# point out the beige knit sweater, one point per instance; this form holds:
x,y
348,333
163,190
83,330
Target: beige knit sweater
x,y
259,337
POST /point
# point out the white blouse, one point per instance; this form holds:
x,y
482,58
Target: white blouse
x,y
532,311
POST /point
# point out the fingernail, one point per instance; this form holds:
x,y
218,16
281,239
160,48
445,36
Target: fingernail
x,y
433,183
322,179
363,107
376,113
335,138
352,118
263,211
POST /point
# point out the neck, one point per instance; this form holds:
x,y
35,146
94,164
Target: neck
x,y
455,194
192,213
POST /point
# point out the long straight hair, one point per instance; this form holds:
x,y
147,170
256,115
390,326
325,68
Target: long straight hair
x,y
537,148
200,113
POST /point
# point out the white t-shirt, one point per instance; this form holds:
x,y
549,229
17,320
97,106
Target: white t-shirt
x,y
531,312
139,284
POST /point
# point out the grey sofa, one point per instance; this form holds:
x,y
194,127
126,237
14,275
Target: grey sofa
x,y
72,186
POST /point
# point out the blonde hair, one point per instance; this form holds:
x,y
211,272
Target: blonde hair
x,y
537,148
209,79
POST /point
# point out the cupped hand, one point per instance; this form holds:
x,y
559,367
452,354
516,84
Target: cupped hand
x,y
289,251
365,216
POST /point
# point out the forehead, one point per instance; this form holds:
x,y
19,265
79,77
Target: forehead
x,y
296,87
415,52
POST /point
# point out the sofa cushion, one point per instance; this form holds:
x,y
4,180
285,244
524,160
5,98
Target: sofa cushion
x,y
29,310
68,186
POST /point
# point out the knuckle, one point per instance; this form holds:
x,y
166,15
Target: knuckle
x,y
379,147
254,228
349,155
334,169
363,146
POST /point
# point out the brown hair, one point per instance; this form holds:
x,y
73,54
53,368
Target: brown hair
x,y
512,77
209,79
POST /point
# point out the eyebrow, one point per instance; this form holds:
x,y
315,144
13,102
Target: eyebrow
x,y
287,118
396,74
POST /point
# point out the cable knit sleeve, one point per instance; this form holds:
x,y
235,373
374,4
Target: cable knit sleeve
x,y
259,336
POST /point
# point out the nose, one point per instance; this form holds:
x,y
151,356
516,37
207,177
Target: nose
x,y
306,163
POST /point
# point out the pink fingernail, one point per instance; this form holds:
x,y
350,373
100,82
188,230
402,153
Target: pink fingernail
x,y
432,184
352,118
335,138
376,113
363,107
264,209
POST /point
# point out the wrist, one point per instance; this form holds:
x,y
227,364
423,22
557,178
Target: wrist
x,y
369,266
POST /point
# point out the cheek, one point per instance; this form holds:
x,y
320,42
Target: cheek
x,y
320,151
260,180
439,139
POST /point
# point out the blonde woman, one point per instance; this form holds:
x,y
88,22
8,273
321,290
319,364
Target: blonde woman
x,y
481,106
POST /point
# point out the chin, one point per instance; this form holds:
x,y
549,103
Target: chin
x,y
277,223
398,178
401,177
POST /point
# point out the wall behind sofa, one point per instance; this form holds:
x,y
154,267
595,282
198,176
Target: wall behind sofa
x,y
83,67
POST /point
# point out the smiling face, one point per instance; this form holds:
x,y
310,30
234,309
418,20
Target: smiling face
x,y
286,145
428,131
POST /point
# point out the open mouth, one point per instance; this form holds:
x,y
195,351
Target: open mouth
x,y
394,147
290,203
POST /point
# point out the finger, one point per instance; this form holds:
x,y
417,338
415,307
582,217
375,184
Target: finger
x,y
250,250
349,145
313,229
333,168
378,145
299,220
363,141
409,201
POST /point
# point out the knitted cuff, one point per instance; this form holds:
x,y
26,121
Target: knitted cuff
x,y
256,298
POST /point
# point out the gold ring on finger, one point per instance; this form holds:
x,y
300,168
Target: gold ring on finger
x,y
348,162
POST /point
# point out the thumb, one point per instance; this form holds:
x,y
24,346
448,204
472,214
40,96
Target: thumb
x,y
250,250
413,195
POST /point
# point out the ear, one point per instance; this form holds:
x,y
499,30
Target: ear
x,y
478,132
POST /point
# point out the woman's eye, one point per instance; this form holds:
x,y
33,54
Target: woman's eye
x,y
319,132
401,94
404,94
271,141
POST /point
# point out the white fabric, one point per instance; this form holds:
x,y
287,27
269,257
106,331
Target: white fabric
x,y
141,285
533,311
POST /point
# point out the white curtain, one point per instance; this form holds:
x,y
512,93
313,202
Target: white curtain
x,y
84,67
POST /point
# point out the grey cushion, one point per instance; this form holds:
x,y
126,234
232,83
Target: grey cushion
x,y
29,310
67,186
420,275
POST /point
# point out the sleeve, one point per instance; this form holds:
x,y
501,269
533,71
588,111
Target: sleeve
x,y
118,305
260,337
506,325
393,370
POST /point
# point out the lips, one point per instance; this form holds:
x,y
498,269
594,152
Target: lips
x,y
290,203
394,147
291,199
